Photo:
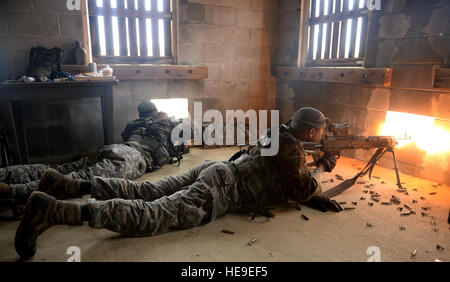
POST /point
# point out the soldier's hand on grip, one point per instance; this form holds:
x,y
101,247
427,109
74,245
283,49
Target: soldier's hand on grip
x,y
324,204
328,162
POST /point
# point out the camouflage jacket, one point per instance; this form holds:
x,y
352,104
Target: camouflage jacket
x,y
153,131
267,181
157,126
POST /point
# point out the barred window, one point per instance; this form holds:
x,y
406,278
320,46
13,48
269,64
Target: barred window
x,y
337,31
132,31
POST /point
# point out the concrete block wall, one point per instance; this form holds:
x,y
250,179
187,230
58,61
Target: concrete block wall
x,y
55,130
29,23
410,37
289,27
409,31
236,39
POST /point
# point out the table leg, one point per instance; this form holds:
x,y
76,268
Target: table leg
x,y
7,116
107,114
20,133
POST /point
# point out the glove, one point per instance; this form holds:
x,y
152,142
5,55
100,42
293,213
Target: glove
x,y
324,204
328,162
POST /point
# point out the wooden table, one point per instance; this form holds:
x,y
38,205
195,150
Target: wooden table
x,y
12,94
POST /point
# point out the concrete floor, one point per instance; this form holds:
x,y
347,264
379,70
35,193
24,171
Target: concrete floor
x,y
330,236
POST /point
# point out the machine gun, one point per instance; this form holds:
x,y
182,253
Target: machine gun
x,y
341,140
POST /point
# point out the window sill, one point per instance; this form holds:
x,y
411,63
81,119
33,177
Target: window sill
x,y
370,76
149,72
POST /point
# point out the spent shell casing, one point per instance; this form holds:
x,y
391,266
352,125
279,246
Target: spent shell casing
x,y
227,231
252,242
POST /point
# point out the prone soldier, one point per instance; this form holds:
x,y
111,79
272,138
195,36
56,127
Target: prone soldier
x,y
247,183
129,160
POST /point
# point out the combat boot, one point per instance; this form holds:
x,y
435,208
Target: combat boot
x,y
5,191
56,184
42,212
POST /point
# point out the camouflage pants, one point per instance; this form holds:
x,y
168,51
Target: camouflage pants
x,y
116,160
150,208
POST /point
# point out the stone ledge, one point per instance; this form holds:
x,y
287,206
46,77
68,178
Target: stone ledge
x,y
150,72
372,76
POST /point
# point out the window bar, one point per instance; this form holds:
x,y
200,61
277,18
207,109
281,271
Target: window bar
x,y
362,48
167,31
337,6
358,38
95,37
334,47
320,4
143,31
353,38
312,31
132,30
107,18
313,8
327,30
138,36
123,39
343,34
318,51
128,35
155,33
342,38
148,25
335,40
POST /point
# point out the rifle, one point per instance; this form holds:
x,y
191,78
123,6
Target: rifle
x,y
341,140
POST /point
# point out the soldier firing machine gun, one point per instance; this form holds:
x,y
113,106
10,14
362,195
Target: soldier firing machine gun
x,y
341,140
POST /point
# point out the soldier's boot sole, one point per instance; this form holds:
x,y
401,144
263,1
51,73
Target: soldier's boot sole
x,y
5,191
42,212
56,184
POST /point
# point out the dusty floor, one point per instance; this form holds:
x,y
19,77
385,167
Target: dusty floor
x,y
343,236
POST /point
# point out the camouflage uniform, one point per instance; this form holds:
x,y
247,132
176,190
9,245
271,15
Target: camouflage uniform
x,y
153,130
250,183
128,161
145,208
267,181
